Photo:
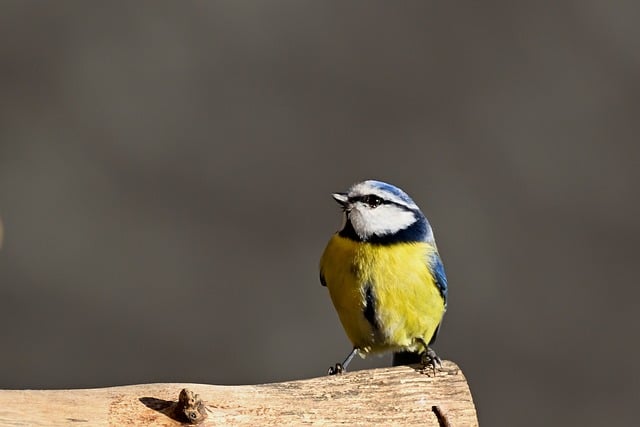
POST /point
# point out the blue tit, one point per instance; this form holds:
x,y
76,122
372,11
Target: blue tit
x,y
385,276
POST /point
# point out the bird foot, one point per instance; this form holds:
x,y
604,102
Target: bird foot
x,y
431,361
336,370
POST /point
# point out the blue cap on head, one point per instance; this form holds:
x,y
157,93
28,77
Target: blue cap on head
x,y
384,186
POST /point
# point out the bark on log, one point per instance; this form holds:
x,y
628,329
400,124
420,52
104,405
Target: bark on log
x,y
389,396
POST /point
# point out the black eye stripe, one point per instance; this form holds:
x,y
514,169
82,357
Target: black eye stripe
x,y
371,200
374,201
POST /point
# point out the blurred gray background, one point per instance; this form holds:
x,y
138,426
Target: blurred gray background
x,y
166,170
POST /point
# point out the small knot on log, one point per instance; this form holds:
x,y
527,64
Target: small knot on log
x,y
190,407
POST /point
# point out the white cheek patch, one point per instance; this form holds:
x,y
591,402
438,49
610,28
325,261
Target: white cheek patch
x,y
385,219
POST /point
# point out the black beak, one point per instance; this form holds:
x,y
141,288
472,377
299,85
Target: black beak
x,y
341,198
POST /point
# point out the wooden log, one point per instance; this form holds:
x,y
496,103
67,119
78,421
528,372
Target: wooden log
x,y
389,396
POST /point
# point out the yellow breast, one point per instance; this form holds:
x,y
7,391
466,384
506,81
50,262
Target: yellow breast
x,y
407,303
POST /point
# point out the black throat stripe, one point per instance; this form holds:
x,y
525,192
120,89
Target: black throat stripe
x,y
416,232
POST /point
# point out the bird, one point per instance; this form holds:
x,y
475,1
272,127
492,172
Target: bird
x,y
385,276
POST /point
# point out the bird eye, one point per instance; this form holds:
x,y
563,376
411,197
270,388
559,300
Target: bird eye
x,y
372,201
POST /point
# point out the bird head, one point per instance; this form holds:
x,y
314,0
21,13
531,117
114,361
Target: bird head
x,y
377,209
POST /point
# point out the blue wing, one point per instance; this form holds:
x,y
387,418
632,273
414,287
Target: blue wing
x,y
437,269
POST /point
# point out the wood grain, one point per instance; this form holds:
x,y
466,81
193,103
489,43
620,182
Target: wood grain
x,y
390,396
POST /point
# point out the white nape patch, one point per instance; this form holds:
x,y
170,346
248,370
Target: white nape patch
x,y
380,221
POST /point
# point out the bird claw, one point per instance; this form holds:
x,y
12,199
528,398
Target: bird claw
x,y
336,370
340,368
430,360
